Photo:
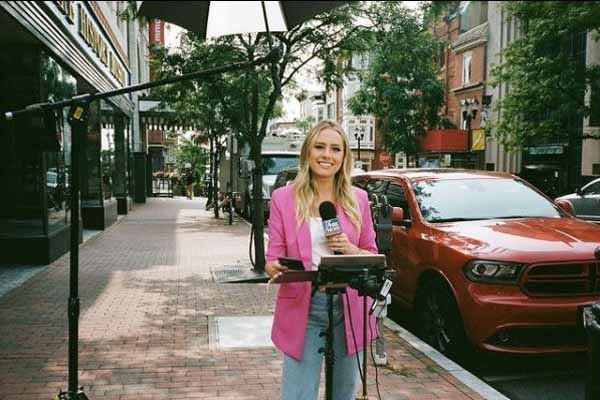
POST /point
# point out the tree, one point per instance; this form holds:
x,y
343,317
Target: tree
x,y
190,152
305,124
545,71
400,87
248,99
214,105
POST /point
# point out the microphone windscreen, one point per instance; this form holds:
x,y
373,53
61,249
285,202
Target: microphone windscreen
x,y
331,223
327,210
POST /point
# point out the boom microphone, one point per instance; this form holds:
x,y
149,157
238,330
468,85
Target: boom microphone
x,y
331,223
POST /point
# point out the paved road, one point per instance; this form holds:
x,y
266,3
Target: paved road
x,y
548,377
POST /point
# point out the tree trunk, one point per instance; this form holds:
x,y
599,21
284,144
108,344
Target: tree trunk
x,y
216,177
258,224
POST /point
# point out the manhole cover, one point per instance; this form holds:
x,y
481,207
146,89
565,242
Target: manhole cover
x,y
240,332
237,274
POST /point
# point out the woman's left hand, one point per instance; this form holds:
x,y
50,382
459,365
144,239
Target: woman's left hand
x,y
341,244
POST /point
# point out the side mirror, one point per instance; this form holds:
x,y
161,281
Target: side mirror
x,y
566,205
579,191
397,215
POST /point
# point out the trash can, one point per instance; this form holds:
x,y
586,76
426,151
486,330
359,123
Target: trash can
x,y
591,320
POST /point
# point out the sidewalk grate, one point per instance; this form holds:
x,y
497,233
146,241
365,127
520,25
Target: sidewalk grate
x,y
241,332
237,274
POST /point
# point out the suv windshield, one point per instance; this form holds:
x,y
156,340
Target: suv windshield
x,y
475,199
272,165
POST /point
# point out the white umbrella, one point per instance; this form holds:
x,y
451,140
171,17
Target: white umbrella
x,y
219,18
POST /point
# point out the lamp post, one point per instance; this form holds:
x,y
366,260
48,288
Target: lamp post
x,y
359,136
469,108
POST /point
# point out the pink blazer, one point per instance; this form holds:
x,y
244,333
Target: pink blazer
x,y
288,239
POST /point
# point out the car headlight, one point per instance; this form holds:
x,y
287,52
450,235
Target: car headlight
x,y
497,272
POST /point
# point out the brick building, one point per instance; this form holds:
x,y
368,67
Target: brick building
x,y
463,68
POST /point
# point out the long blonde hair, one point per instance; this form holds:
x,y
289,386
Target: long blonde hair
x,y
305,190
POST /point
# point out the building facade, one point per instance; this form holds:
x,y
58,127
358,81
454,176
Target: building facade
x,y
477,33
502,30
590,157
460,140
53,50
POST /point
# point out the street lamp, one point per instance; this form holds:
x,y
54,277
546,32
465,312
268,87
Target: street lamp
x,y
469,108
359,136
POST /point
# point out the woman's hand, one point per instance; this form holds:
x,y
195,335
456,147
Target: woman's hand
x,y
341,244
274,269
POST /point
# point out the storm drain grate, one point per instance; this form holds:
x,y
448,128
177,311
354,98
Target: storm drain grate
x,y
241,332
237,274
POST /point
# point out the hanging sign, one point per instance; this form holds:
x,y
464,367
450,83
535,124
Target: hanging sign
x,y
478,143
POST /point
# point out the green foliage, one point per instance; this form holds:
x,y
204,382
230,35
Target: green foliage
x,y
545,72
243,102
306,123
190,152
401,86
433,10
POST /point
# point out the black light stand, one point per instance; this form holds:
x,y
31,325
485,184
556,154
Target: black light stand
x,y
78,112
366,274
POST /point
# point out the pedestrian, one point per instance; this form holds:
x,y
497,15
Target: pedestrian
x,y
296,231
189,183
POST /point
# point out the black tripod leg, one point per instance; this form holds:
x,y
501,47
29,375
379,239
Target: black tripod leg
x,y
329,352
365,356
78,133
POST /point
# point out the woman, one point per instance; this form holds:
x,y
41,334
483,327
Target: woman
x,y
295,230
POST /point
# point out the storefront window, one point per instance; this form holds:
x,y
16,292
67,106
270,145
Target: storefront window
x,y
91,171
120,172
107,152
59,85
130,164
36,173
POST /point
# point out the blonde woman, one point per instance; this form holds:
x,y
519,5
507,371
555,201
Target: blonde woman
x,y
296,231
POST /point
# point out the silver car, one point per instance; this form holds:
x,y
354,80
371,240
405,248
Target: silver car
x,y
586,201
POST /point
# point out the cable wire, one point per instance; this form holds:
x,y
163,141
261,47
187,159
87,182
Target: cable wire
x,y
373,356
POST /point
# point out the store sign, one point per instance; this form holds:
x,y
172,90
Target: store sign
x,y
68,10
92,36
542,150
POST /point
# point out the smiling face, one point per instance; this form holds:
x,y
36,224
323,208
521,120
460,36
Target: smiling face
x,y
327,154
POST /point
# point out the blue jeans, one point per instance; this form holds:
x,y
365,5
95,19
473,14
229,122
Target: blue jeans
x,y
300,379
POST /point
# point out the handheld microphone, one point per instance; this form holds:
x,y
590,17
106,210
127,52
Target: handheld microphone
x,y
331,223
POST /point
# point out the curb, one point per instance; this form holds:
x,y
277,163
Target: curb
x,y
465,377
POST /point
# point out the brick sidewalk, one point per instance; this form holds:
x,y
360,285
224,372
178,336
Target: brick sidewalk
x,y
146,299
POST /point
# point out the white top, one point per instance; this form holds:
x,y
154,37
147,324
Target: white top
x,y
319,243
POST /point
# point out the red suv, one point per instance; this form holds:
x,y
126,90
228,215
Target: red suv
x,y
488,262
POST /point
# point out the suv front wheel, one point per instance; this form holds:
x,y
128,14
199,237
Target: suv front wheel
x,y
438,320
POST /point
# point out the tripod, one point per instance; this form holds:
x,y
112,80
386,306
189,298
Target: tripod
x,y
329,351
366,274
